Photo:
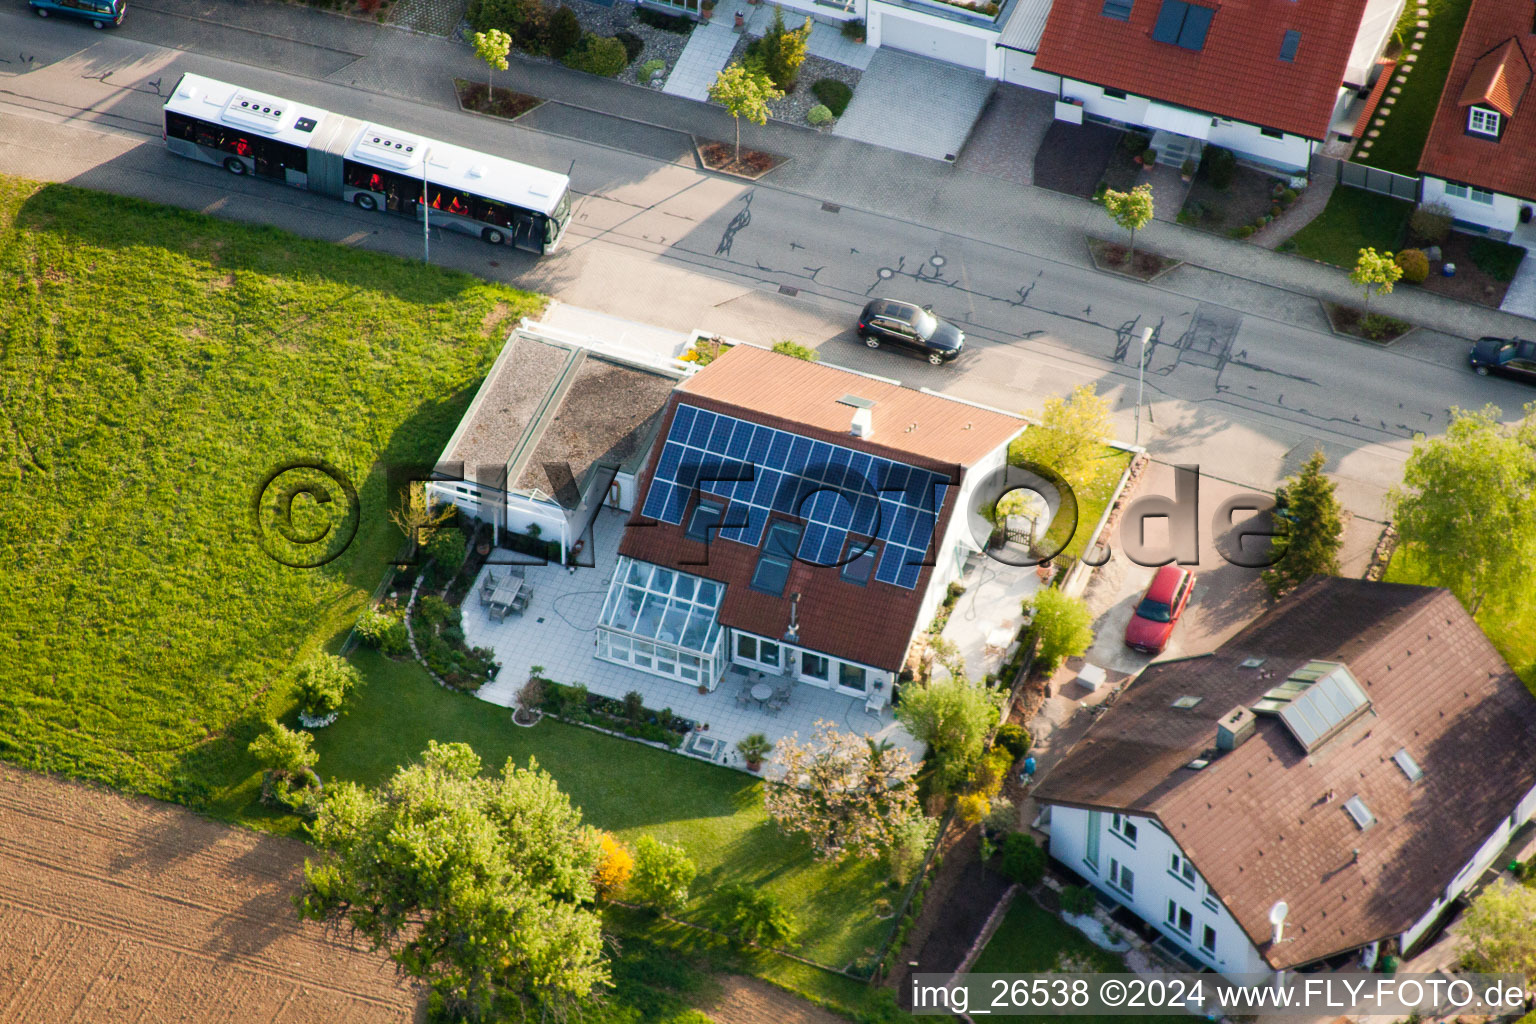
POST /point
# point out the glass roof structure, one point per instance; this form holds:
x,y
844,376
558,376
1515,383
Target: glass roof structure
x,y
836,491
1315,702
663,605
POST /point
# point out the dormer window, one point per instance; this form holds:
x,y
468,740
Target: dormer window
x,y
1482,121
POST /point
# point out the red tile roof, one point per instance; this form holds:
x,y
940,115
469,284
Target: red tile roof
x,y
1492,67
1373,101
1266,822
1238,74
870,624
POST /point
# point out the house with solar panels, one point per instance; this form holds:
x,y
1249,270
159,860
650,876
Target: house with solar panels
x,y
1324,787
799,520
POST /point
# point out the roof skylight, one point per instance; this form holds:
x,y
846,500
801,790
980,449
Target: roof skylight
x,y
1361,813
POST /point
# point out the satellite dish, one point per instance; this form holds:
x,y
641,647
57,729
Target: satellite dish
x,y
1277,913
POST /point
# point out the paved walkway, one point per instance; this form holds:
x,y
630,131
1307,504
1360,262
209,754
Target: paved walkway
x,y
1169,190
1521,297
1302,212
708,49
915,105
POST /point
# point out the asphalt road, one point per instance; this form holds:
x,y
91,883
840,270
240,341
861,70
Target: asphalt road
x,y
1244,393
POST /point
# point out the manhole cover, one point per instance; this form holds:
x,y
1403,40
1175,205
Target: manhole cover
x,y
830,208
937,260
885,273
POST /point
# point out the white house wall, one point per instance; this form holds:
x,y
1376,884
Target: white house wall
x,y
1018,68
1376,25
927,35
1502,215
1154,885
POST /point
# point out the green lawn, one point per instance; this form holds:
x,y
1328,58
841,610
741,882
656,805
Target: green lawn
x,y
1093,490
1514,635
156,365
1402,138
1352,220
629,789
1031,940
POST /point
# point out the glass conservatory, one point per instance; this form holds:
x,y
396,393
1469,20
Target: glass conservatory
x,y
663,621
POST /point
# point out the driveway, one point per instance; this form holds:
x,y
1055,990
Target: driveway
x,y
1009,133
915,105
1072,157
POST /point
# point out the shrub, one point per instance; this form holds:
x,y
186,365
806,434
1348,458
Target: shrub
x,y
1135,142
753,916
384,631
1498,260
446,548
1431,223
783,51
1063,624
323,682
1078,899
563,33
676,23
1003,816
1023,860
1245,231
529,25
1219,165
1014,739
1379,327
662,874
634,705
485,15
790,347
651,68
1149,156
1288,196
633,45
818,115
970,808
853,29
1415,265
834,94
910,839
615,867
597,55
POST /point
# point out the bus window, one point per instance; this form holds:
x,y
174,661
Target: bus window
x,y
492,212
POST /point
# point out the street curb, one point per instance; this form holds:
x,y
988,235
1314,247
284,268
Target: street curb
x,y
698,157
1088,241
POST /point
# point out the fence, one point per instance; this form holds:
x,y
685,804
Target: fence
x,y
1374,179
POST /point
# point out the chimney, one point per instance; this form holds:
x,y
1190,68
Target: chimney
x,y
863,423
1234,728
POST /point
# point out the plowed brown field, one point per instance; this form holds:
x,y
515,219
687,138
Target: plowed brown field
x,y
120,909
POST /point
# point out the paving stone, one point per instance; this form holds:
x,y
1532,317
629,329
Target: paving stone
x,y
1416,46
1373,133
1419,34
1395,90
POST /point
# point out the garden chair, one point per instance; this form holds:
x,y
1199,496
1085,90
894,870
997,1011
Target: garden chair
x,y
774,706
744,695
781,693
520,602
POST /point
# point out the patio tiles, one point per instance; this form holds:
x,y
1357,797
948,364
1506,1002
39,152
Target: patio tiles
x,y
709,47
559,632
914,104
829,43
992,603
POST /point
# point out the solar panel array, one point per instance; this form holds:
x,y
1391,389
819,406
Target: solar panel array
x,y
835,490
1325,706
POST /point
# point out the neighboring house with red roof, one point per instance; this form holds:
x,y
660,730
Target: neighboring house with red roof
x,y
1480,157
797,519
1359,753
1264,78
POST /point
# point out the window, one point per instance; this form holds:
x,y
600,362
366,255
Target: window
x,y
1484,121
1180,867
1182,24
1114,94
1120,10
1095,824
750,648
1482,195
1409,766
1121,877
1180,919
706,517
1272,133
1288,45
1209,900
1123,827
772,571
813,666
850,676
861,563
1208,939
1361,813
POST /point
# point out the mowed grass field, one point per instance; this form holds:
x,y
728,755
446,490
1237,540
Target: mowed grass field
x,y
156,366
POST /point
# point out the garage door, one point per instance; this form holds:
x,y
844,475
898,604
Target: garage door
x,y
927,40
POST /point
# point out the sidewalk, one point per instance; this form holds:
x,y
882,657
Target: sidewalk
x,y
833,169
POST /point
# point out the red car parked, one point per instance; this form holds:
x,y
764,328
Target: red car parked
x,y
1152,623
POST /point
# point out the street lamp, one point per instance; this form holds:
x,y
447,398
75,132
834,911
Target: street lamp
x,y
426,216
1141,370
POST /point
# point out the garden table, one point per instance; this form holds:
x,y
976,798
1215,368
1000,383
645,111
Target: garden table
x,y
761,692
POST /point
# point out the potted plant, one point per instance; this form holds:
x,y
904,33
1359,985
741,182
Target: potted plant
x,y
1187,171
753,749
703,687
1149,158
707,10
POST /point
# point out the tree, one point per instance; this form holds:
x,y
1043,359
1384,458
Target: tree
x,y
416,514
1062,624
910,839
753,916
1309,528
1498,933
1131,210
446,548
323,682
479,887
743,94
283,751
662,875
783,51
492,47
843,793
953,717
1023,859
614,868
564,32
1376,272
1069,435
1463,513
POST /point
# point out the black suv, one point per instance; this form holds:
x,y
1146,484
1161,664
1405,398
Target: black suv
x,y
1512,357
910,328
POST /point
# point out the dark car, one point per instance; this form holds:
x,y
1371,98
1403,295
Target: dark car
x,y
1152,623
100,13
1512,357
910,328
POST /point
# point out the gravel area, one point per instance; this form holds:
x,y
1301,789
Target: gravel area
x,y
606,21
793,108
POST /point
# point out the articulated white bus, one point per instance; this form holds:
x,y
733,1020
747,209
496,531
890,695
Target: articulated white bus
x,y
374,167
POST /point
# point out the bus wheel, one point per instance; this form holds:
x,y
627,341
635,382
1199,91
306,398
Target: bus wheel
x,y
234,166
365,201
493,236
